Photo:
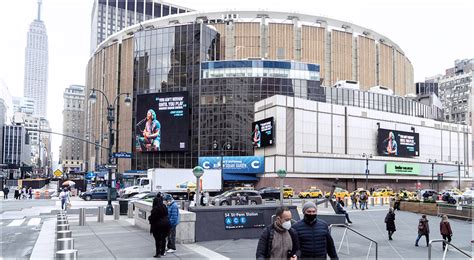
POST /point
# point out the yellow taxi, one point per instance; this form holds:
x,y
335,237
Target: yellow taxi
x,y
312,192
403,193
383,192
339,193
288,192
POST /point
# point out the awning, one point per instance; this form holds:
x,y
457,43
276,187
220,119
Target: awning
x,y
239,177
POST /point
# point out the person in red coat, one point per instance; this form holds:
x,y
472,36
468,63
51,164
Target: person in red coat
x,y
445,229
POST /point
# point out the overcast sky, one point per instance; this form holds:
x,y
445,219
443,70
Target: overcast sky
x,y
432,33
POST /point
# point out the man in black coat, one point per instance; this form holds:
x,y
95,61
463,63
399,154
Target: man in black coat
x,y
279,240
313,234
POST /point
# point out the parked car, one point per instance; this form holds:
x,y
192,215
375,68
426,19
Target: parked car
x,y
383,192
270,193
99,193
312,192
429,192
339,193
406,194
227,197
288,192
467,196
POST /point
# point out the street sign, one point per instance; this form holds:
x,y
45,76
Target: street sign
x,y
122,155
58,173
111,166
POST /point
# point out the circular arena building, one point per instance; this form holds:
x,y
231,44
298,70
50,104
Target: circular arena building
x,y
203,72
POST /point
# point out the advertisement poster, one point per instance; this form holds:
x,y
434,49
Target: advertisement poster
x,y
243,219
262,133
162,122
234,164
397,143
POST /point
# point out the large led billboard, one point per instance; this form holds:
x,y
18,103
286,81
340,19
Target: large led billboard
x,y
398,143
262,133
162,122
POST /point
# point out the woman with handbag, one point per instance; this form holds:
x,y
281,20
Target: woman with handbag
x,y
159,225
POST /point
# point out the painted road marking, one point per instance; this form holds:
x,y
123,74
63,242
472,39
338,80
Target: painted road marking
x,y
205,252
34,222
16,222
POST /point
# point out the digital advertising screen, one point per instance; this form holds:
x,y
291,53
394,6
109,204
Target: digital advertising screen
x,y
398,143
262,133
162,122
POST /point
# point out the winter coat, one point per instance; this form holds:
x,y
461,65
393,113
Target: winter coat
x,y
315,239
264,247
173,214
445,228
423,227
390,221
159,222
340,209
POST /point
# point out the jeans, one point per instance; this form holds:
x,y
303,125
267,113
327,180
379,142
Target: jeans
x,y
172,238
63,203
5,195
447,238
427,239
347,217
354,204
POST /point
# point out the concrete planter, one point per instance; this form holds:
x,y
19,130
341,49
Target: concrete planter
x,y
419,207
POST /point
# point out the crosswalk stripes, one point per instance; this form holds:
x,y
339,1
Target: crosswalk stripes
x,y
34,222
16,222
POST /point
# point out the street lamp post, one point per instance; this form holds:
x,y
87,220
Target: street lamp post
x,y
459,173
432,161
198,171
281,174
110,118
366,156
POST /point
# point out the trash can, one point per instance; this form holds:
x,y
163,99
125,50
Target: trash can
x,y
123,206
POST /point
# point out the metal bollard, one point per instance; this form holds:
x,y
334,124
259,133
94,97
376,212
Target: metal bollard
x,y
303,201
66,254
116,211
100,215
62,227
372,201
62,222
82,217
381,201
130,210
291,202
64,234
64,244
346,202
326,204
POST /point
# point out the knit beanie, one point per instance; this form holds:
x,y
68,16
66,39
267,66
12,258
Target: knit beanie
x,y
308,205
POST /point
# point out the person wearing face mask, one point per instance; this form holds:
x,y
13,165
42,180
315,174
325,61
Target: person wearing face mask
x,y
313,234
279,240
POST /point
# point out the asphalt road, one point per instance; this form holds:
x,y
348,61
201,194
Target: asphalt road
x,y
18,237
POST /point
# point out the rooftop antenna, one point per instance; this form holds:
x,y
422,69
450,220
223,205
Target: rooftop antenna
x,y
39,9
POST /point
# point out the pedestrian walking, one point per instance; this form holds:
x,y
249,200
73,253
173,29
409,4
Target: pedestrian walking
x,y
445,230
23,193
390,223
313,235
173,217
341,210
363,200
279,240
6,190
17,193
354,198
396,204
64,197
159,225
423,230
30,193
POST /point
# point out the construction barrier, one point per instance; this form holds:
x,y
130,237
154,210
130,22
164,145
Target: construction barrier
x,y
37,194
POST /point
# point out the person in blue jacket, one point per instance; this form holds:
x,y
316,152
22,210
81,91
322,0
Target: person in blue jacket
x,y
313,234
173,215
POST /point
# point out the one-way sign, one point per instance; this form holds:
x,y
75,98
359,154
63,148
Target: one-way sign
x,y
122,155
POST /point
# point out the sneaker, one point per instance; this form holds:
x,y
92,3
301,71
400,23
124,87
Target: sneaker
x,y
171,250
163,254
416,244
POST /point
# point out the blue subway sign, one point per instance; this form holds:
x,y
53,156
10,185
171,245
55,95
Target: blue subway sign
x,y
234,164
122,155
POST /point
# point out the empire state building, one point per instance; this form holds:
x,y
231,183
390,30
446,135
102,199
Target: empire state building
x,y
36,65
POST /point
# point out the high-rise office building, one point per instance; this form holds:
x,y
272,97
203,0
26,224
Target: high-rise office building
x,y
16,147
111,16
23,105
36,64
72,150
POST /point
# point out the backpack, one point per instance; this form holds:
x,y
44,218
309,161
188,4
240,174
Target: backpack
x,y
421,226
